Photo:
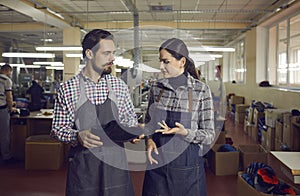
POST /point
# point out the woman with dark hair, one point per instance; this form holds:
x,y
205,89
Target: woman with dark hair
x,y
180,113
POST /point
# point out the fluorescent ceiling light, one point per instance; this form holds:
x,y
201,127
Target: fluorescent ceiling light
x,y
48,63
55,67
83,31
203,59
118,70
30,66
240,70
58,48
74,55
195,55
56,14
211,49
28,55
22,65
119,12
47,40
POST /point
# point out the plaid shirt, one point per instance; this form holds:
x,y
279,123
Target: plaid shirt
x,y
202,122
67,97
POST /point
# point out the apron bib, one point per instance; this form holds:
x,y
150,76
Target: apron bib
x,y
180,170
100,171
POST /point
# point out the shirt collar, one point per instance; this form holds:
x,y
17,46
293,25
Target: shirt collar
x,y
190,82
87,79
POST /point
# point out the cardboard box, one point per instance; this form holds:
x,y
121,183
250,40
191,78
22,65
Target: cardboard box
x,y
257,115
272,115
254,133
252,153
270,143
241,107
250,115
295,131
236,100
17,138
287,135
287,117
223,163
278,130
249,128
245,125
244,189
43,153
278,144
239,117
264,139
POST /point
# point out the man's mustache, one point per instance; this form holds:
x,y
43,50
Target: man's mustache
x,y
109,63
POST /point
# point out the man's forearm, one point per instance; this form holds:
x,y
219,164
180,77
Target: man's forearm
x,y
9,100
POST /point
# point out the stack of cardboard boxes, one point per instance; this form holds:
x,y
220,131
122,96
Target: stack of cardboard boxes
x,y
233,100
295,129
230,163
240,112
278,122
251,122
43,153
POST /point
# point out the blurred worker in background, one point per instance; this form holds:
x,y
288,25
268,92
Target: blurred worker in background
x,y
6,107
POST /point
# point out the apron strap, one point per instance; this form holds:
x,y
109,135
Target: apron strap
x,y
160,94
111,94
190,99
81,99
82,96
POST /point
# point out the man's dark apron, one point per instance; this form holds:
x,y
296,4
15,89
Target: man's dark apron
x,y
182,171
99,171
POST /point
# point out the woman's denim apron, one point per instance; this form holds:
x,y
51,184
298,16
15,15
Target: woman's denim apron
x,y
100,171
181,169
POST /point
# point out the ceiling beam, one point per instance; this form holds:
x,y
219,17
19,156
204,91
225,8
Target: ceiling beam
x,y
25,27
130,6
40,27
283,13
182,25
39,15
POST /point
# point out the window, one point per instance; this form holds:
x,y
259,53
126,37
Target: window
x,y
294,54
236,63
271,71
284,53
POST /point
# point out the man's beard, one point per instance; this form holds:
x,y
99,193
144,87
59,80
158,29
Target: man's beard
x,y
105,71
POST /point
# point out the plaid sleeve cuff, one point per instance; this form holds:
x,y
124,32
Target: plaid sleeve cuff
x,y
190,137
74,138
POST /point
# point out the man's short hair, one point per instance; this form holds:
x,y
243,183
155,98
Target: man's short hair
x,y
6,67
91,40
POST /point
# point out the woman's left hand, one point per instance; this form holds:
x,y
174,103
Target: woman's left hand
x,y
179,129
